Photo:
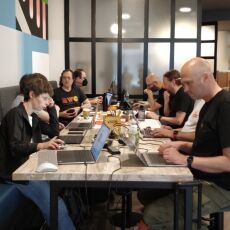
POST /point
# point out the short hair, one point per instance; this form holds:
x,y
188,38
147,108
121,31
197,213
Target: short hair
x,y
22,83
64,71
173,75
78,73
37,83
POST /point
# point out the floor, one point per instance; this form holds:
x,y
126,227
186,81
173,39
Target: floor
x,y
101,215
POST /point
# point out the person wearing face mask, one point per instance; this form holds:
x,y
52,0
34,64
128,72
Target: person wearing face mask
x,y
155,93
80,80
177,104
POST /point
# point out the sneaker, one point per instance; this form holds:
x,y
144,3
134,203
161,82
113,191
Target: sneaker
x,y
142,226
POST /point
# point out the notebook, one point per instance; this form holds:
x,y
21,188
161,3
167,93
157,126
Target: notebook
x,y
85,156
154,159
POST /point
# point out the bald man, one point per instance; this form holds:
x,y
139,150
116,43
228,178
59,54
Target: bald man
x,y
155,93
208,157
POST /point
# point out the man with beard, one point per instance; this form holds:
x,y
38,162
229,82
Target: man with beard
x,y
177,104
80,80
155,93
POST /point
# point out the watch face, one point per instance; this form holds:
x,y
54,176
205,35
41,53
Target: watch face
x,y
189,161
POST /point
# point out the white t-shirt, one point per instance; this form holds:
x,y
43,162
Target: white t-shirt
x,y
190,124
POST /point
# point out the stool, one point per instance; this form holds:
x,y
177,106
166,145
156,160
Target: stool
x,y
126,218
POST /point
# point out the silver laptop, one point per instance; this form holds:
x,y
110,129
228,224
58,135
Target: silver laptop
x,y
153,159
85,156
81,126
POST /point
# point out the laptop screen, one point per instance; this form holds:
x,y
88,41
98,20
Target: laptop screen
x,y
109,98
98,144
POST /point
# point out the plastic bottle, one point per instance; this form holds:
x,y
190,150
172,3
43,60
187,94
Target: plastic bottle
x,y
133,135
141,113
126,96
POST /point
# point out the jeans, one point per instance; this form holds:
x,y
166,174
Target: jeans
x,y
39,193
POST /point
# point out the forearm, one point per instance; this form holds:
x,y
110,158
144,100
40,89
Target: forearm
x,y
185,147
216,164
171,120
86,104
185,136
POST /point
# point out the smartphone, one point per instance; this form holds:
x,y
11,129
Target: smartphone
x,y
70,110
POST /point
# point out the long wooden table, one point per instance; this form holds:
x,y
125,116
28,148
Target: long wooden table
x,y
125,172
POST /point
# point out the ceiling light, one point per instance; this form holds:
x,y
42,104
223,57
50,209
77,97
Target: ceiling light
x,y
185,9
126,16
114,29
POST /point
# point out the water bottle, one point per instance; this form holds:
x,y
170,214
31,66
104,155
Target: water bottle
x,y
141,113
126,96
133,135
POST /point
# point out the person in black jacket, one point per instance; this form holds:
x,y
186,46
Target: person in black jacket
x,y
20,135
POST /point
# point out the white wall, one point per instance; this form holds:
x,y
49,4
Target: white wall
x,y
223,51
56,38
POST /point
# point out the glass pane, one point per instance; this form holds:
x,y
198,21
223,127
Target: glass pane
x,y
132,67
106,66
207,33
81,61
133,26
211,62
159,18
159,56
207,49
186,22
106,19
180,56
80,11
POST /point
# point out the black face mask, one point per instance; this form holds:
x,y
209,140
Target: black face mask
x,y
154,89
85,82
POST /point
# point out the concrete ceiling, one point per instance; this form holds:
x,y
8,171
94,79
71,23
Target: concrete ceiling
x,y
215,4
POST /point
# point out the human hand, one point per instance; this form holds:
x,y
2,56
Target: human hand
x,y
70,113
169,144
152,115
53,143
61,126
136,105
162,132
173,156
148,92
166,96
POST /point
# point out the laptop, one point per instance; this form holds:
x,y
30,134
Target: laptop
x,y
81,126
153,159
85,156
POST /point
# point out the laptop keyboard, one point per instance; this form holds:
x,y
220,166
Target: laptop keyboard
x,y
74,156
156,159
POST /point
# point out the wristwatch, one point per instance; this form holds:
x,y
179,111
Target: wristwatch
x,y
175,132
189,161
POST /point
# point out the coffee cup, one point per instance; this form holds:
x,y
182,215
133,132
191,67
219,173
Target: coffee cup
x,y
86,112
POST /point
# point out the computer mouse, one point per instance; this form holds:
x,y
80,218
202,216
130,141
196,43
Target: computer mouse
x,y
47,167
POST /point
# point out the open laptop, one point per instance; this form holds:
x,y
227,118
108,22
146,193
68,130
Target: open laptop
x,y
81,126
153,159
85,156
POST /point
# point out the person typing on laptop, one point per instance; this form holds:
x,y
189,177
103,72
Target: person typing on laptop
x,y
20,135
208,157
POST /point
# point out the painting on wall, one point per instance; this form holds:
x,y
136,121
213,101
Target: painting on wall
x,y
32,17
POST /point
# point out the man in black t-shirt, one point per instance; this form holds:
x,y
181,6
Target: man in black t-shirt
x,y
155,93
177,104
69,98
208,157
